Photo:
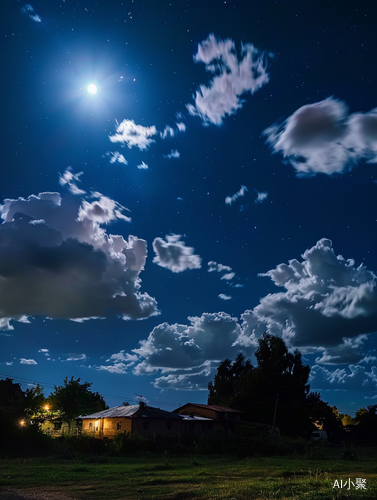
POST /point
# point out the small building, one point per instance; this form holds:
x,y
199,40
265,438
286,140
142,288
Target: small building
x,y
214,412
140,419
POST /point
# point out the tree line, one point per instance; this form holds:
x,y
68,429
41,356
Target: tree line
x,y
274,392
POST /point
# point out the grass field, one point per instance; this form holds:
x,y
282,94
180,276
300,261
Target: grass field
x,y
180,478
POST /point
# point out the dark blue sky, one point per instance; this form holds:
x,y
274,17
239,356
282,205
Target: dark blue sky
x,y
221,183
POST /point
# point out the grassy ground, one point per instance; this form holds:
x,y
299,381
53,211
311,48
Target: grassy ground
x,y
181,478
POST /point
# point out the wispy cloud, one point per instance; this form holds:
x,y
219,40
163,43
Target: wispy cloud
x,y
70,179
167,132
131,134
173,154
116,157
181,126
173,254
324,138
29,11
214,266
231,199
76,357
261,196
222,296
234,78
143,166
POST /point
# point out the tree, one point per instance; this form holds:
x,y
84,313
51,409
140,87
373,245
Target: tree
x,y
366,422
324,416
279,381
19,404
74,398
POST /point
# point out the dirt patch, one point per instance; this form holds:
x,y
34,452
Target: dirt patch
x,y
34,494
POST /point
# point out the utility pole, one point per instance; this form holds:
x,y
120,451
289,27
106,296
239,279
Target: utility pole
x,y
276,407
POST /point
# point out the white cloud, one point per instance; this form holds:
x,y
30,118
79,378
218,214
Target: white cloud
x,y
29,11
188,353
101,211
181,126
76,357
69,266
173,154
234,78
231,199
131,134
324,138
328,305
222,296
173,254
115,157
261,196
214,266
69,178
142,166
350,378
24,361
196,381
115,368
121,361
228,276
168,131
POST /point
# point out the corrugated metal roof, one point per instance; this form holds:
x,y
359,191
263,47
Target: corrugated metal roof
x,y
211,407
132,411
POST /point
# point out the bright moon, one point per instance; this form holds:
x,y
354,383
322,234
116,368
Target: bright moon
x,y
92,89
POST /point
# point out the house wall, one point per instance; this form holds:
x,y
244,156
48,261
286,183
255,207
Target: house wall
x,y
106,427
50,427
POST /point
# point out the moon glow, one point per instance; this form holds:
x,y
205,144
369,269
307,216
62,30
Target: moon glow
x,y
92,89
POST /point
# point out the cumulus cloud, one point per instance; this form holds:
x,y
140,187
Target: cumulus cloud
x,y
214,266
68,266
143,166
70,179
352,377
101,211
233,78
231,199
131,134
329,304
325,138
120,362
173,254
24,361
173,154
188,354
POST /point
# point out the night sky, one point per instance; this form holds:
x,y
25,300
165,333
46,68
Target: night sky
x,y
219,183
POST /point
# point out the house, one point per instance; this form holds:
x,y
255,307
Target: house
x,y
140,419
216,416
217,413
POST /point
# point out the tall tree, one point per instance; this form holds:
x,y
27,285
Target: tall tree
x,y
74,398
277,386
